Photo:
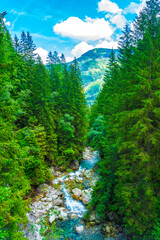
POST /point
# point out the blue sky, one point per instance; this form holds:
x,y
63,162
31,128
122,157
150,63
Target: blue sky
x,y
71,27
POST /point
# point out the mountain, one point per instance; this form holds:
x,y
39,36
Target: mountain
x,y
92,65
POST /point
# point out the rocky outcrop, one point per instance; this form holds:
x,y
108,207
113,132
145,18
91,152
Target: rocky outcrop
x,y
48,201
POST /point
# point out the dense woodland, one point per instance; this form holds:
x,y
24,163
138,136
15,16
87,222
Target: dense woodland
x,y
42,123
125,128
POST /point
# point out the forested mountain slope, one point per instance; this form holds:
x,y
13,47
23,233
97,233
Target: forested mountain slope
x,y
92,65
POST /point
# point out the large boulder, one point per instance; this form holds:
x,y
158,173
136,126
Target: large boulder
x,y
85,200
77,193
86,197
79,228
63,215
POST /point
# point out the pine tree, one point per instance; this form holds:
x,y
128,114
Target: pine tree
x,y
16,43
62,58
43,107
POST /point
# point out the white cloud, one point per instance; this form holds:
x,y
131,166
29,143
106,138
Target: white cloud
x,y
134,7
18,13
42,53
108,6
6,23
108,16
69,59
37,35
119,20
46,18
107,44
81,48
89,29
114,13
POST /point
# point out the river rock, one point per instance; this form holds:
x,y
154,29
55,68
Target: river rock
x,y
59,193
66,179
86,198
54,197
108,229
63,215
87,154
92,217
79,180
79,228
77,193
73,216
52,218
74,165
71,178
58,202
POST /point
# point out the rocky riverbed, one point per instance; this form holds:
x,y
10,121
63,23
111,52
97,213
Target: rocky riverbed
x,y
63,205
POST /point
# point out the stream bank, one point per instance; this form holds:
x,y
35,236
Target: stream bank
x,y
63,205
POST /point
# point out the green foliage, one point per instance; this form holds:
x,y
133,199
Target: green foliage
x,y
97,132
50,231
66,140
129,147
37,125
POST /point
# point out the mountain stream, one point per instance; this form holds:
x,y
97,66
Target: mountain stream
x,y
64,204
74,229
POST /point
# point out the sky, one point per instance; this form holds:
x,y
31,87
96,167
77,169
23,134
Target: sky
x,y
71,27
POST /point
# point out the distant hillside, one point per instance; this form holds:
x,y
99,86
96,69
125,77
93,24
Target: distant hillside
x,y
92,65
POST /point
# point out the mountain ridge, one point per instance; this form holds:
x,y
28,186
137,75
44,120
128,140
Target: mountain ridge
x,y
92,65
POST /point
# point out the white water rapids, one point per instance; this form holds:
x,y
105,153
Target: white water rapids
x,y
75,207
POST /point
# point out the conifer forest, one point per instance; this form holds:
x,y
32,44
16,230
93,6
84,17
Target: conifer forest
x,y
45,122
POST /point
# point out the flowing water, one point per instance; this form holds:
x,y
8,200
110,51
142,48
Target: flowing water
x,y
77,207
66,228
